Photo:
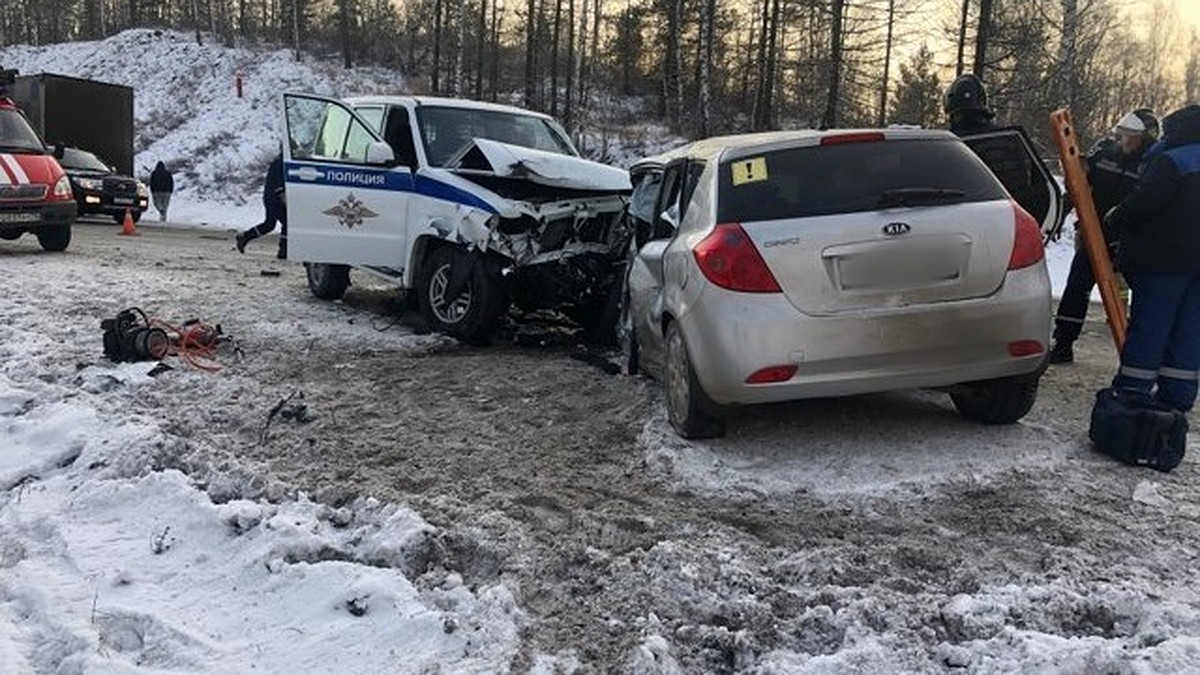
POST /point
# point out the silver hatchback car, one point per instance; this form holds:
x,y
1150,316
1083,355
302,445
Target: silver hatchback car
x,y
790,265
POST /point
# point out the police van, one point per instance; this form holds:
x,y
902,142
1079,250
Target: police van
x,y
470,206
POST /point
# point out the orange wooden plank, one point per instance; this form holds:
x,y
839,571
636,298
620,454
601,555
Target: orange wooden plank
x,y
1089,222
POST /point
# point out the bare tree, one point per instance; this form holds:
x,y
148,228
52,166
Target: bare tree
x,y
887,62
836,48
982,34
962,37
708,18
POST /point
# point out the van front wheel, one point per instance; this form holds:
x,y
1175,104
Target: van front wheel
x,y
458,295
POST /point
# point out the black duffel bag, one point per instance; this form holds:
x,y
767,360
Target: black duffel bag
x,y
1138,430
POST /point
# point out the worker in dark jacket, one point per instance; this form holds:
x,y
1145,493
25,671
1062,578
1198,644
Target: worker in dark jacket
x,y
161,187
276,210
1112,168
966,106
1159,228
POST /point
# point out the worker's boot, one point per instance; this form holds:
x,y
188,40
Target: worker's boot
x,y
1062,352
242,238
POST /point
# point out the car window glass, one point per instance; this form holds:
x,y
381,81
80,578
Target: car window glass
x,y
668,197
326,130
645,195
852,177
79,160
398,134
16,134
372,115
690,178
641,204
1018,170
357,141
304,117
333,133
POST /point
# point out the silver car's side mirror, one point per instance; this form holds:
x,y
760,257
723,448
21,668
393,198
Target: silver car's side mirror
x,y
380,153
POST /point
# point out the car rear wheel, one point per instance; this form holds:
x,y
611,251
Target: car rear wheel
x,y
459,296
690,410
1001,401
327,282
54,237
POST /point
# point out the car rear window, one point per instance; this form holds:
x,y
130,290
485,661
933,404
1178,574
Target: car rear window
x,y
852,177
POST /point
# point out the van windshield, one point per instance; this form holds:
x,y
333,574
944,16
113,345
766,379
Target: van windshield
x,y
852,177
445,130
16,135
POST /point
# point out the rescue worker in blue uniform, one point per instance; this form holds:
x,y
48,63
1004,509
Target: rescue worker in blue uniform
x,y
1159,229
1112,168
276,210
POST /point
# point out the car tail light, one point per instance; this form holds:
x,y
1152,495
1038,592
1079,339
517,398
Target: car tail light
x,y
1025,348
730,260
858,137
1027,241
772,374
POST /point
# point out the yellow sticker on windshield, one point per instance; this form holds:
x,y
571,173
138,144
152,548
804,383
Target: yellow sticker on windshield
x,y
750,170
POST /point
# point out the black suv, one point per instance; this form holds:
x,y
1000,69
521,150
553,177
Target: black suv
x,y
98,188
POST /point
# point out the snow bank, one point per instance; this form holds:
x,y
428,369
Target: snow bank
x,y
112,563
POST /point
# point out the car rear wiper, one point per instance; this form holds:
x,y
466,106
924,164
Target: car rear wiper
x,y
917,196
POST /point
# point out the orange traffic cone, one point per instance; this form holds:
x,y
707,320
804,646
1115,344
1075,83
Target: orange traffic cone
x,y
127,226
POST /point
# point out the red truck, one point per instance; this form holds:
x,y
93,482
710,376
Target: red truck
x,y
35,192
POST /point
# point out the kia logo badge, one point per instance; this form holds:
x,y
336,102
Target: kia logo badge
x,y
893,229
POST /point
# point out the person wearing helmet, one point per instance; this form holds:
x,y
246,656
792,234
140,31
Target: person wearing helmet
x,y
1112,169
1160,258
966,106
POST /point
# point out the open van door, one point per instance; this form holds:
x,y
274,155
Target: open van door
x,y
346,196
1010,155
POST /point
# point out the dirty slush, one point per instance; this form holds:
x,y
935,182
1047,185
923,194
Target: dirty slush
x,y
879,533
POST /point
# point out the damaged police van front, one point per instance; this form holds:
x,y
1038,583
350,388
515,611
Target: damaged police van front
x,y
470,206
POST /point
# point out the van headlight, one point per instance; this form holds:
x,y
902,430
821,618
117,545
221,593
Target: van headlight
x,y
90,183
62,188
142,190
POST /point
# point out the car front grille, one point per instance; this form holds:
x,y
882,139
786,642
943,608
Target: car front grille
x,y
120,186
28,192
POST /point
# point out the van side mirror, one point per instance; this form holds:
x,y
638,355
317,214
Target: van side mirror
x,y
59,151
380,153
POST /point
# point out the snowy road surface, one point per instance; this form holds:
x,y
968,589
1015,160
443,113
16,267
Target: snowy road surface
x,y
511,508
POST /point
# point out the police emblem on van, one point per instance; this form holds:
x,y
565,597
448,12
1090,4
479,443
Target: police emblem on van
x,y
894,229
350,212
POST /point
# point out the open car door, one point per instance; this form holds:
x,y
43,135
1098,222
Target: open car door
x,y
1010,155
